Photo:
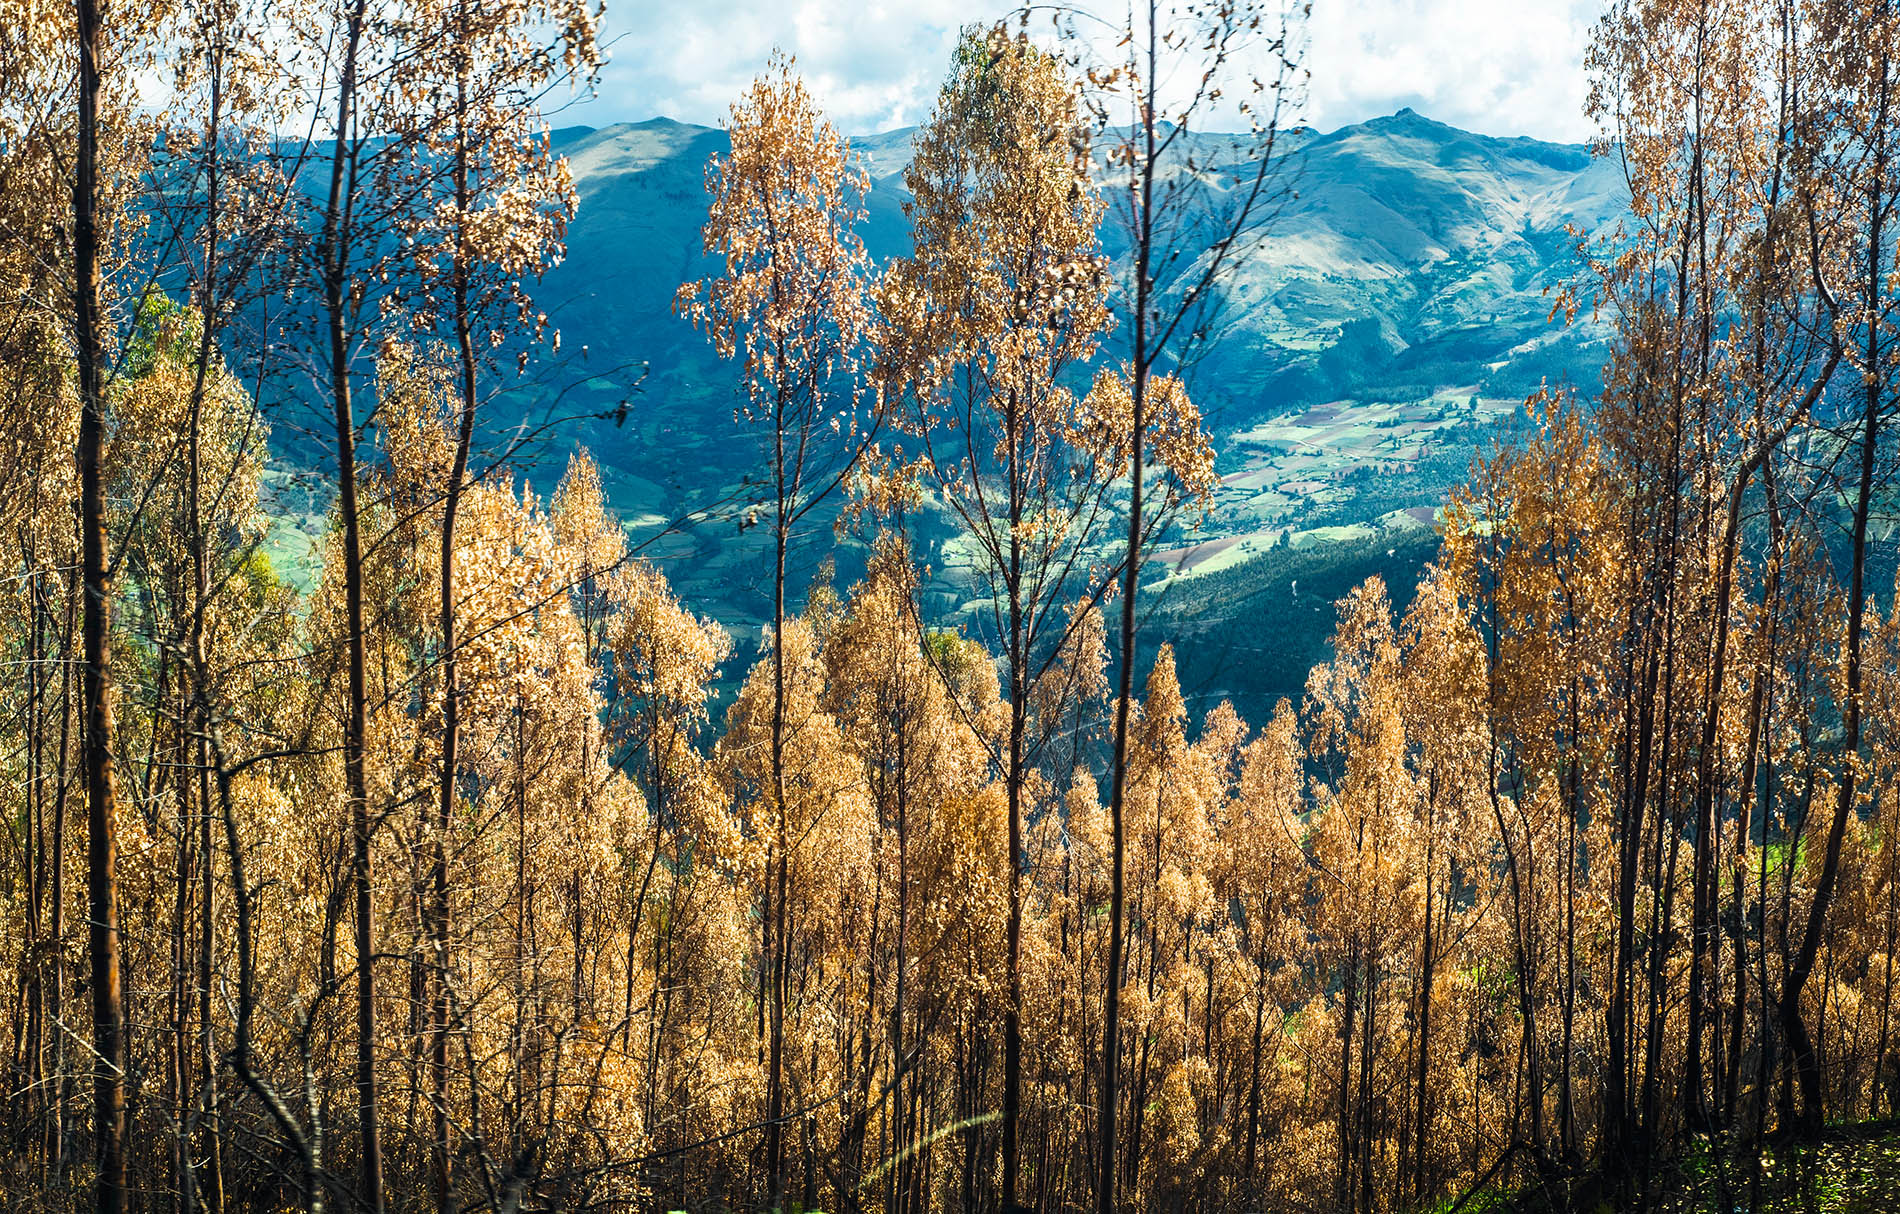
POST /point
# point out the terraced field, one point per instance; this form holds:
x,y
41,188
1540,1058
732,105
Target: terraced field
x,y
1345,470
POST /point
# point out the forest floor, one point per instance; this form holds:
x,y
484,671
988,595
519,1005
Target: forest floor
x,y
1854,1170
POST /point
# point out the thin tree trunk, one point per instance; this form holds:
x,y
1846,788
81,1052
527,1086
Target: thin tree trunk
x,y
56,926
1343,1192
440,1151
1427,971
1019,690
335,245
101,804
1125,675
1807,1064
775,1081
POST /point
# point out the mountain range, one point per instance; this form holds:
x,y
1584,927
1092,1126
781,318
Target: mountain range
x,y
1414,255
1392,322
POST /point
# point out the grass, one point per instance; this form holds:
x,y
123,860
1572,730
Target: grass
x,y
1854,1169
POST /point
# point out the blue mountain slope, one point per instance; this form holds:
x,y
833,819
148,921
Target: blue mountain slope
x,y
1397,314
1450,240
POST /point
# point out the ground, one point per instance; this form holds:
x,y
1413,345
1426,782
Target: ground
x,y
1854,1170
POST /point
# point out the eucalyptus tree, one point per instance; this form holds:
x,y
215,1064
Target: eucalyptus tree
x,y
793,297
1191,205
993,317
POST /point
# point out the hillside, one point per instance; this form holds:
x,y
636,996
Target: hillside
x,y
1415,257
1398,315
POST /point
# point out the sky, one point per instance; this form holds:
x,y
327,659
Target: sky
x,y
1500,67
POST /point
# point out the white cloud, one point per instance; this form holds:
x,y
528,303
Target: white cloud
x,y
1502,67
872,64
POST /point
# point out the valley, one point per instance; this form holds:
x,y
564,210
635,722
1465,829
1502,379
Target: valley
x,y
1384,334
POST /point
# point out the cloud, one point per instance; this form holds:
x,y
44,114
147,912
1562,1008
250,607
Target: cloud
x,y
1503,67
872,64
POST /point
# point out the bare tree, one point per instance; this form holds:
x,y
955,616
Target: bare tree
x,y
102,896
1192,204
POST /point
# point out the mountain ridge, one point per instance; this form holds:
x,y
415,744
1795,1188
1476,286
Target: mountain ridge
x,y
1428,227
1388,328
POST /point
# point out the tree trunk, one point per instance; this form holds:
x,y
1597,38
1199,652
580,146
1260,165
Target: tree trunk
x,y
102,894
1807,1064
775,1065
335,245
440,1152
1125,675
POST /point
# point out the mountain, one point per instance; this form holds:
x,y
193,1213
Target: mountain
x,y
1447,239
1395,318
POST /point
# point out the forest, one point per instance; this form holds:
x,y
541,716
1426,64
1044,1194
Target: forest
x,y
477,871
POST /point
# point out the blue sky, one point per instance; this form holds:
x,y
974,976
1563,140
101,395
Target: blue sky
x,y
1503,67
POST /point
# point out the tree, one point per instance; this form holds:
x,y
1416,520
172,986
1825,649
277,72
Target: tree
x,y
101,803
1865,174
1170,71
998,309
794,297
502,221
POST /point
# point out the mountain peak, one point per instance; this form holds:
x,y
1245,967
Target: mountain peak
x,y
1409,119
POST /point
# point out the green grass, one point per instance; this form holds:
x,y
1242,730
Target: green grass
x,y
1855,1169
